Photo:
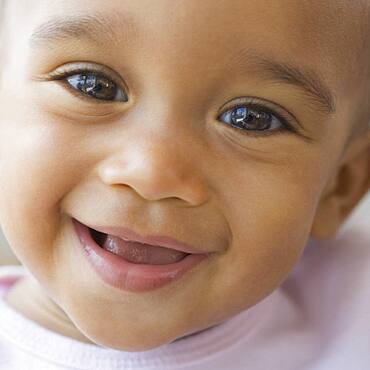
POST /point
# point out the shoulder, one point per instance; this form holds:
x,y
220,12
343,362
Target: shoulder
x,y
9,275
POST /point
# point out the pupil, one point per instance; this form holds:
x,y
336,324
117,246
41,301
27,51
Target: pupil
x,y
249,118
241,115
97,87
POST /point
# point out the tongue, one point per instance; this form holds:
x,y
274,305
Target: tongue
x,y
142,253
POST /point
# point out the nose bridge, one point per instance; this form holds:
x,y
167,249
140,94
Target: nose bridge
x,y
162,153
164,133
157,159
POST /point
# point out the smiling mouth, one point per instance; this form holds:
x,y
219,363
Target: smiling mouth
x,y
136,252
134,262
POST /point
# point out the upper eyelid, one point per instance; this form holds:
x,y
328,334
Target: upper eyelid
x,y
295,126
263,103
71,68
287,119
275,108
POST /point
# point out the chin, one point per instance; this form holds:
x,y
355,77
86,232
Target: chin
x,y
127,343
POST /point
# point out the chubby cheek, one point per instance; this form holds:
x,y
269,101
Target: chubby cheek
x,y
38,166
270,216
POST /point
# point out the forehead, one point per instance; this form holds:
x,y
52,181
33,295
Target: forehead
x,y
320,36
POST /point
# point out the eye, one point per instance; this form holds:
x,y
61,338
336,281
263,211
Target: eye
x,y
96,86
255,118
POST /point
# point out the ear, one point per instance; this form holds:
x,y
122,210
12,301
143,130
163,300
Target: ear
x,y
344,190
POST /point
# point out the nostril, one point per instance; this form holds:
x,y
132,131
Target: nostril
x,y
98,237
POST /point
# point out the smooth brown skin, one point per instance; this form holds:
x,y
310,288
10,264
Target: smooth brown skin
x,y
163,163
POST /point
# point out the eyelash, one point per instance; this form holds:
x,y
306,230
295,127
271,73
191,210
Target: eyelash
x,y
66,71
251,103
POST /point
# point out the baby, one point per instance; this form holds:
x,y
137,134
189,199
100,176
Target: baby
x,y
163,166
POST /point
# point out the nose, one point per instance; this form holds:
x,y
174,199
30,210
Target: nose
x,y
157,166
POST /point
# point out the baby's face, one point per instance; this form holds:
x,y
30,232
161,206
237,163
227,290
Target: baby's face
x,y
217,123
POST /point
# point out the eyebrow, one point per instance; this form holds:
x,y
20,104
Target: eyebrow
x,y
102,27
96,27
306,79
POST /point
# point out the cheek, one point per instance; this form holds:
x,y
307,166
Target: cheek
x,y
270,215
36,169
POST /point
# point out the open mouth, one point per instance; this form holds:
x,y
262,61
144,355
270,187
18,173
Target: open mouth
x,y
136,252
132,262
98,237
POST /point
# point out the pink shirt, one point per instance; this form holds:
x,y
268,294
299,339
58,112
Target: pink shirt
x,y
318,319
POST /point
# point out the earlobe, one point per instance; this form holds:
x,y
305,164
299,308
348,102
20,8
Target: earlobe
x,y
344,191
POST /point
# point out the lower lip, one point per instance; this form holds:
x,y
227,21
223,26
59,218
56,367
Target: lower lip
x,y
119,273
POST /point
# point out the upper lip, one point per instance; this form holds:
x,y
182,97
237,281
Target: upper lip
x,y
154,240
